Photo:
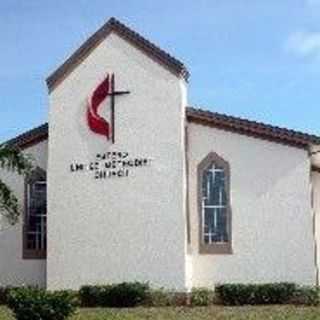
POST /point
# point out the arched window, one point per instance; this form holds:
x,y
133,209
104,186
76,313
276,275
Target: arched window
x,y
214,205
35,216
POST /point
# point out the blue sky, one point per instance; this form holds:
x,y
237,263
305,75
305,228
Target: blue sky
x,y
249,58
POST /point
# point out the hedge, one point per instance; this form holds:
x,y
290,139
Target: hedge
x,y
45,305
4,295
39,304
126,294
269,293
133,294
305,295
201,297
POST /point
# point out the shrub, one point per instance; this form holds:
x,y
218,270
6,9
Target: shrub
x,y
3,295
270,293
180,299
38,304
306,295
160,298
201,297
126,294
90,295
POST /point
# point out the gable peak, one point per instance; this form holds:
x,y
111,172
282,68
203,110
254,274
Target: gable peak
x,y
114,25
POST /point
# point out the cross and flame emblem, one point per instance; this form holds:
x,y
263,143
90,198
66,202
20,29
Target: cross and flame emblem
x,y
96,123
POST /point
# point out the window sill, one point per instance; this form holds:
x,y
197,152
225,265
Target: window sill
x,y
223,248
35,255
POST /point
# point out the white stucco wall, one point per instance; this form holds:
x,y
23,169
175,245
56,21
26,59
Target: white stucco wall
x,y
316,210
272,219
118,229
14,270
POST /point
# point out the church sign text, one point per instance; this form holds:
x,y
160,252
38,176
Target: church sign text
x,y
110,165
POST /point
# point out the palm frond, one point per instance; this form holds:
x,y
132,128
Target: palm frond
x,y
9,207
13,159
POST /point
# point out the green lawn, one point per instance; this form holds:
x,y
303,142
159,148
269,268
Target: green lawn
x,y
210,313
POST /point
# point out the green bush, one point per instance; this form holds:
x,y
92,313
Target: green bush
x,y
90,295
38,304
180,299
3,295
241,294
201,297
160,298
306,296
126,294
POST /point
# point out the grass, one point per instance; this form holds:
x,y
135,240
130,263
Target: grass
x,y
200,313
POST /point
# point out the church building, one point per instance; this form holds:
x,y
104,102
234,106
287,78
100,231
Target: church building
x,y
130,183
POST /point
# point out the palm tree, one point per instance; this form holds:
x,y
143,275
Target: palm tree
x,y
11,159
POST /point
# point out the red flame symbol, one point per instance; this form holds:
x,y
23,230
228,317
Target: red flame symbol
x,y
95,122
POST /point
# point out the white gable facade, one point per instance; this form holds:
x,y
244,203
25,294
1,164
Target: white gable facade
x,y
171,195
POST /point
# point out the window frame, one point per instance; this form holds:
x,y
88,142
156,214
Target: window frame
x,y
214,248
36,175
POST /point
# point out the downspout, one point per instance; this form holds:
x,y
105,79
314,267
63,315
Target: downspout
x,y
313,154
187,189
314,219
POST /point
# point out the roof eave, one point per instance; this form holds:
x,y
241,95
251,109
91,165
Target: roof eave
x,y
113,25
252,129
29,138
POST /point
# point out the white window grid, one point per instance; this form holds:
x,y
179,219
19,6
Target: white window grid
x,y
206,232
39,235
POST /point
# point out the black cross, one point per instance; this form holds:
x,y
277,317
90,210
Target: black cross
x,y
114,93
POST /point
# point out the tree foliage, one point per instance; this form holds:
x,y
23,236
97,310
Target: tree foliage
x,y
12,160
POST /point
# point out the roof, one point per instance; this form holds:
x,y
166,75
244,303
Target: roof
x,y
113,25
203,117
252,128
29,137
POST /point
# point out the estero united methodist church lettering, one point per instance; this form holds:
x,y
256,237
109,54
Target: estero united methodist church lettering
x,y
109,164
141,186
